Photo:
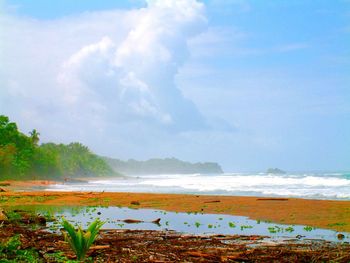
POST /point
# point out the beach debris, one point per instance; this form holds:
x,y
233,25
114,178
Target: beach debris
x,y
3,216
2,190
135,202
340,236
136,221
169,246
132,221
200,254
156,221
41,220
99,247
213,201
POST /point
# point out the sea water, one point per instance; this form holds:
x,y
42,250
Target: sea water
x,y
302,185
188,223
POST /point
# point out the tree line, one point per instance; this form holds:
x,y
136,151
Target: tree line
x,y
21,156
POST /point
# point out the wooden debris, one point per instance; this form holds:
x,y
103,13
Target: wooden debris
x,y
168,246
156,221
3,217
131,221
213,201
99,247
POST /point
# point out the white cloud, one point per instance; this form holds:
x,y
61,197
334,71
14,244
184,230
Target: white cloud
x,y
100,71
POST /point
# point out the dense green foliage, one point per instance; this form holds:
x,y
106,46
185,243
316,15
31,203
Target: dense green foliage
x,y
11,252
80,240
21,156
162,166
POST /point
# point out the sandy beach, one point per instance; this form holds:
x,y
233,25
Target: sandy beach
x,y
326,214
169,246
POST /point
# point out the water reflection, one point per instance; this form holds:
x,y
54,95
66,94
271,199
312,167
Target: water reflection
x,y
191,222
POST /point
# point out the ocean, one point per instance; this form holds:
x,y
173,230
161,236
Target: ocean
x,y
331,186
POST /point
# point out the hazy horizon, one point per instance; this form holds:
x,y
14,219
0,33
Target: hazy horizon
x,y
247,84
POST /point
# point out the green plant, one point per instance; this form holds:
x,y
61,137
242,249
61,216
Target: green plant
x,y
11,245
308,228
59,257
272,230
11,252
80,240
231,224
289,229
245,227
13,216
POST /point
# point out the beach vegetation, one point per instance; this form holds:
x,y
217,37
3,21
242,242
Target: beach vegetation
x,y
22,157
272,230
11,252
13,216
246,227
289,229
337,224
59,257
308,228
231,224
275,229
80,240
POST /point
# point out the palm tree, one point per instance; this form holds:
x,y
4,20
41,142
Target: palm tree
x,y
34,135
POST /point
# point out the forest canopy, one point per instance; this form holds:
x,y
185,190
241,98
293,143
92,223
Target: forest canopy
x,y
21,157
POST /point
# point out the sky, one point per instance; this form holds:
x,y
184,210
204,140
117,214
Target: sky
x,y
248,84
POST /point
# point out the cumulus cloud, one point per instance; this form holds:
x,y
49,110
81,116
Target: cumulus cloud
x,y
100,70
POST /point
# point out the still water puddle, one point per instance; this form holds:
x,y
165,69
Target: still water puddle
x,y
191,222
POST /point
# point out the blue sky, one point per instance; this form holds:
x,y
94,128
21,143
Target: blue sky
x,y
249,84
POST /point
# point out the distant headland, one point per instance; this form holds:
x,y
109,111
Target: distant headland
x,y
275,171
162,166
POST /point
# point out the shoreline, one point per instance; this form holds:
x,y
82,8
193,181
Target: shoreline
x,y
327,214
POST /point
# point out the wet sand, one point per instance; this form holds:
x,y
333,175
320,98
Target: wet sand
x,y
317,213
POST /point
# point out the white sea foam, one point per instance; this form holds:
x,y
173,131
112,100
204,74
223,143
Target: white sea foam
x,y
322,186
206,183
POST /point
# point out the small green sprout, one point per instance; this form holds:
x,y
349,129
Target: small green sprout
x,y
80,240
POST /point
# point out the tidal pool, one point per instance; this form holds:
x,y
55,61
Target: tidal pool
x,y
191,222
